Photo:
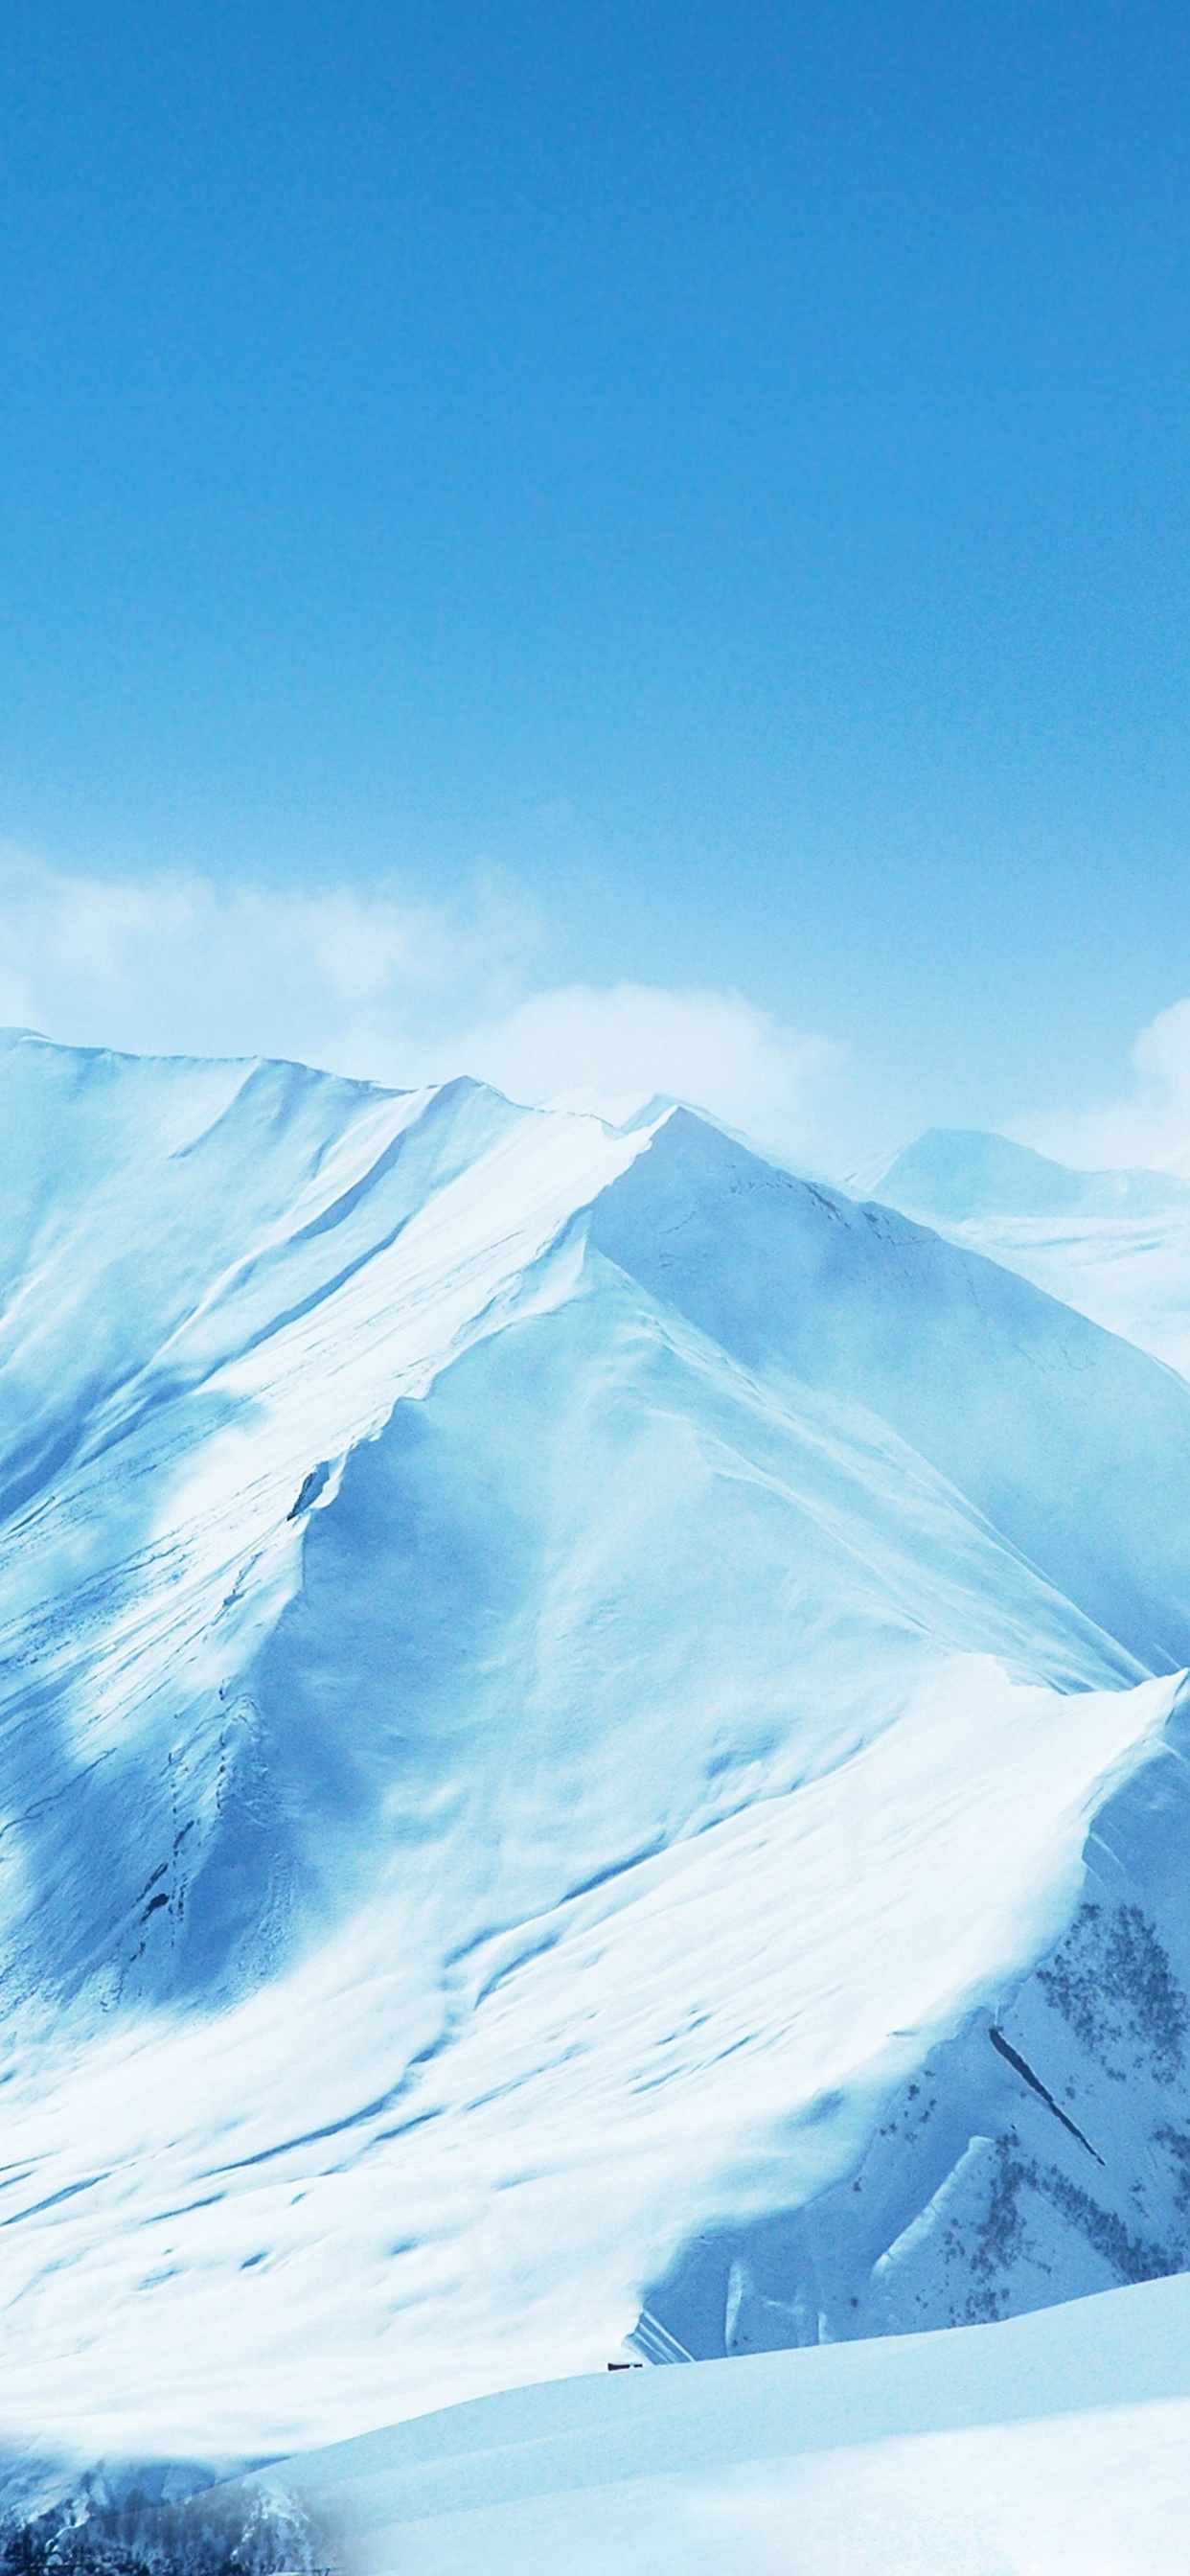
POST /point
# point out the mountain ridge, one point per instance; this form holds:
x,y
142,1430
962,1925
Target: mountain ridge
x,y
514,1631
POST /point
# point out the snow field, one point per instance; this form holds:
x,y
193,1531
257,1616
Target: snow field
x,y
1055,2445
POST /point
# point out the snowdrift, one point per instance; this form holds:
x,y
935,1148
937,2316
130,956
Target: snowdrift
x,y
1055,2445
555,1687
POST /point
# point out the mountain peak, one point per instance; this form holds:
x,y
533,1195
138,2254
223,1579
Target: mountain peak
x,y
554,1683
953,1174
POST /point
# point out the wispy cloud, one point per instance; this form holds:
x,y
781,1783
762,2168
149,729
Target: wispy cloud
x,y
627,1042
175,964
1149,1126
390,989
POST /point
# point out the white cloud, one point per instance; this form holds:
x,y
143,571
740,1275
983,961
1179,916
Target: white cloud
x,y
1149,1127
621,1045
382,987
176,965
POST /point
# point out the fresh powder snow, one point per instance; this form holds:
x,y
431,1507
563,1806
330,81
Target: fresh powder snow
x,y
1055,2445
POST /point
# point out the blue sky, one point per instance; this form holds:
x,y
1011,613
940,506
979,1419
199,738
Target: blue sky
x,y
660,498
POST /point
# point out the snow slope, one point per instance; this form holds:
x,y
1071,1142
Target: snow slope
x,y
554,1686
1056,2445
1114,1244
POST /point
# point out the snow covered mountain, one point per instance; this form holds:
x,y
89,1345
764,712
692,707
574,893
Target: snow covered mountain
x,y
1114,1244
555,1685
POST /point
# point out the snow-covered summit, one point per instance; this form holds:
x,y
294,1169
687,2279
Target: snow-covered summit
x,y
1114,1244
555,1678
954,1175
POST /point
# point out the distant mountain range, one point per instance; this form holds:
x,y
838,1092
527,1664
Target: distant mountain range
x,y
591,1747
1114,1244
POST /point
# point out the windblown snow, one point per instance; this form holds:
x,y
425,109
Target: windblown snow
x,y
556,1683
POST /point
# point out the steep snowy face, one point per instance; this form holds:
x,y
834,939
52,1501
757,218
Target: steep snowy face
x,y
547,1674
1116,1245
208,1302
1010,1396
